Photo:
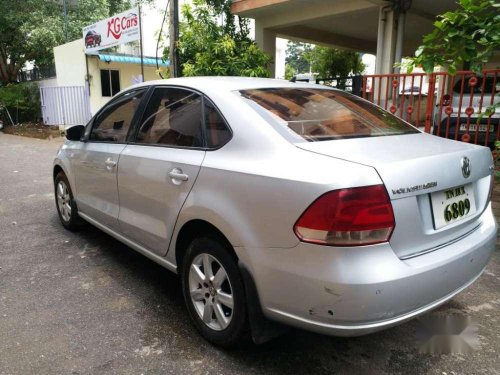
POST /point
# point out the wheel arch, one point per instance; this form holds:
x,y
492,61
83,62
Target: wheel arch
x,y
196,228
57,169
261,329
61,165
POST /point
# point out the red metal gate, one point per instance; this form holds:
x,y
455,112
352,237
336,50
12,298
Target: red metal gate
x,y
452,106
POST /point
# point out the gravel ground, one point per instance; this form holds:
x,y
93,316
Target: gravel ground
x,y
83,303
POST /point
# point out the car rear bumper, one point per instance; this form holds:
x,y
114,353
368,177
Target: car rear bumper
x,y
355,291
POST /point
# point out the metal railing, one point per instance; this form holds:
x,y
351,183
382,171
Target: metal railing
x,y
451,106
36,74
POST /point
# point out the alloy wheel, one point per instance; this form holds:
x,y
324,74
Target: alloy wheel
x,y
211,292
63,201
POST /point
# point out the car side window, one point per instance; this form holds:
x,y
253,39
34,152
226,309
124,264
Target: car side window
x,y
112,124
218,133
172,117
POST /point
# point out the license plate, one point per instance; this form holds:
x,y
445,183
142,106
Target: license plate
x,y
451,205
472,128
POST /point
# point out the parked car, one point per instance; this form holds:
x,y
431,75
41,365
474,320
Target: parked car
x,y
92,39
281,202
452,111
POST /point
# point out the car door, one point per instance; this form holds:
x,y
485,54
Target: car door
x,y
95,161
157,171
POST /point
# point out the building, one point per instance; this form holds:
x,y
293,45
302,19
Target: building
x,y
85,80
103,74
388,29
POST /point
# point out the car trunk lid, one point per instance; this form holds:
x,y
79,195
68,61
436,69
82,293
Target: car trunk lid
x,y
412,167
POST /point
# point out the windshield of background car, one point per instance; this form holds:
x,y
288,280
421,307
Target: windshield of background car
x,y
322,114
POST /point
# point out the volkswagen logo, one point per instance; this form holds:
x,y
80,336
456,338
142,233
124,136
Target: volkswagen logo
x,y
466,166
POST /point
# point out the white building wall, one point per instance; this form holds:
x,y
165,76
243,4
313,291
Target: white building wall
x,y
71,70
48,82
128,72
70,63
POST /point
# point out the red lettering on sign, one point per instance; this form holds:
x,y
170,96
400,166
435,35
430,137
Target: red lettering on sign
x,y
116,26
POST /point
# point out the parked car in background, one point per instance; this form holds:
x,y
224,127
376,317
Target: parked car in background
x,y
284,202
92,39
459,111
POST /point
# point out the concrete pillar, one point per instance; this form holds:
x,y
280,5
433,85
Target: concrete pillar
x,y
266,39
389,44
380,40
386,43
398,54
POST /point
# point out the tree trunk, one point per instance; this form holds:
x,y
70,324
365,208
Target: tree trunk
x,y
8,69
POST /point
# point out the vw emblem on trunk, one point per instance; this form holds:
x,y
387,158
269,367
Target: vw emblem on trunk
x,y
466,166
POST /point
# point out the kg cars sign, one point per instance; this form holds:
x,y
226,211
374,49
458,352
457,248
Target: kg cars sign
x,y
119,29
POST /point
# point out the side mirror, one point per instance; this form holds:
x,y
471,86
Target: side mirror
x,y
75,133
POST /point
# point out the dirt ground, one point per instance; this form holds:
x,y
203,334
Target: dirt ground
x,y
33,131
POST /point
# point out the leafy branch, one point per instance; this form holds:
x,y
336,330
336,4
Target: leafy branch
x,y
468,35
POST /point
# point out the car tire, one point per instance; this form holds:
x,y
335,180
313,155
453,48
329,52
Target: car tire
x,y
206,296
65,203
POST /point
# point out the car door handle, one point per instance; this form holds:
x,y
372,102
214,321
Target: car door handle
x,y
176,174
110,164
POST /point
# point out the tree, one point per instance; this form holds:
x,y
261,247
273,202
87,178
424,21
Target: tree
x,y
30,29
468,35
327,62
332,62
296,56
207,47
289,72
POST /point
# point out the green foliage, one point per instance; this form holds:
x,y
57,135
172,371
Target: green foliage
x,y
470,35
22,100
496,155
289,72
209,48
30,29
296,57
326,62
332,62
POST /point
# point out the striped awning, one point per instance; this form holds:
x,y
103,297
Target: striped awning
x,y
132,60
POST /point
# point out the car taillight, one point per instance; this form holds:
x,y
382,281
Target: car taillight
x,y
348,217
446,100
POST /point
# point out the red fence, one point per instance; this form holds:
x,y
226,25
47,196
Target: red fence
x,y
454,107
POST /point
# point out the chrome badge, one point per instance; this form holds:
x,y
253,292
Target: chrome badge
x,y
465,166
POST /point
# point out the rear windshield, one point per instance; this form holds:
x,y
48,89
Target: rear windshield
x,y
323,114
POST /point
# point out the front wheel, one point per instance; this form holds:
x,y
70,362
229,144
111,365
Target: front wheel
x,y
214,292
65,203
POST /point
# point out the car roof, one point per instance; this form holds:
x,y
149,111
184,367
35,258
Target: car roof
x,y
226,83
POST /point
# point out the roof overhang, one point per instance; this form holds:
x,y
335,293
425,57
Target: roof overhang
x,y
127,59
250,8
347,24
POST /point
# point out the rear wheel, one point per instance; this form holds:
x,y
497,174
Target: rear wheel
x,y
214,293
65,203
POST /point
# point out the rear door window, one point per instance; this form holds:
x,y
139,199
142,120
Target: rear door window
x,y
173,117
322,114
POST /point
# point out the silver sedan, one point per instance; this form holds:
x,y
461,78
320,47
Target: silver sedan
x,y
281,204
